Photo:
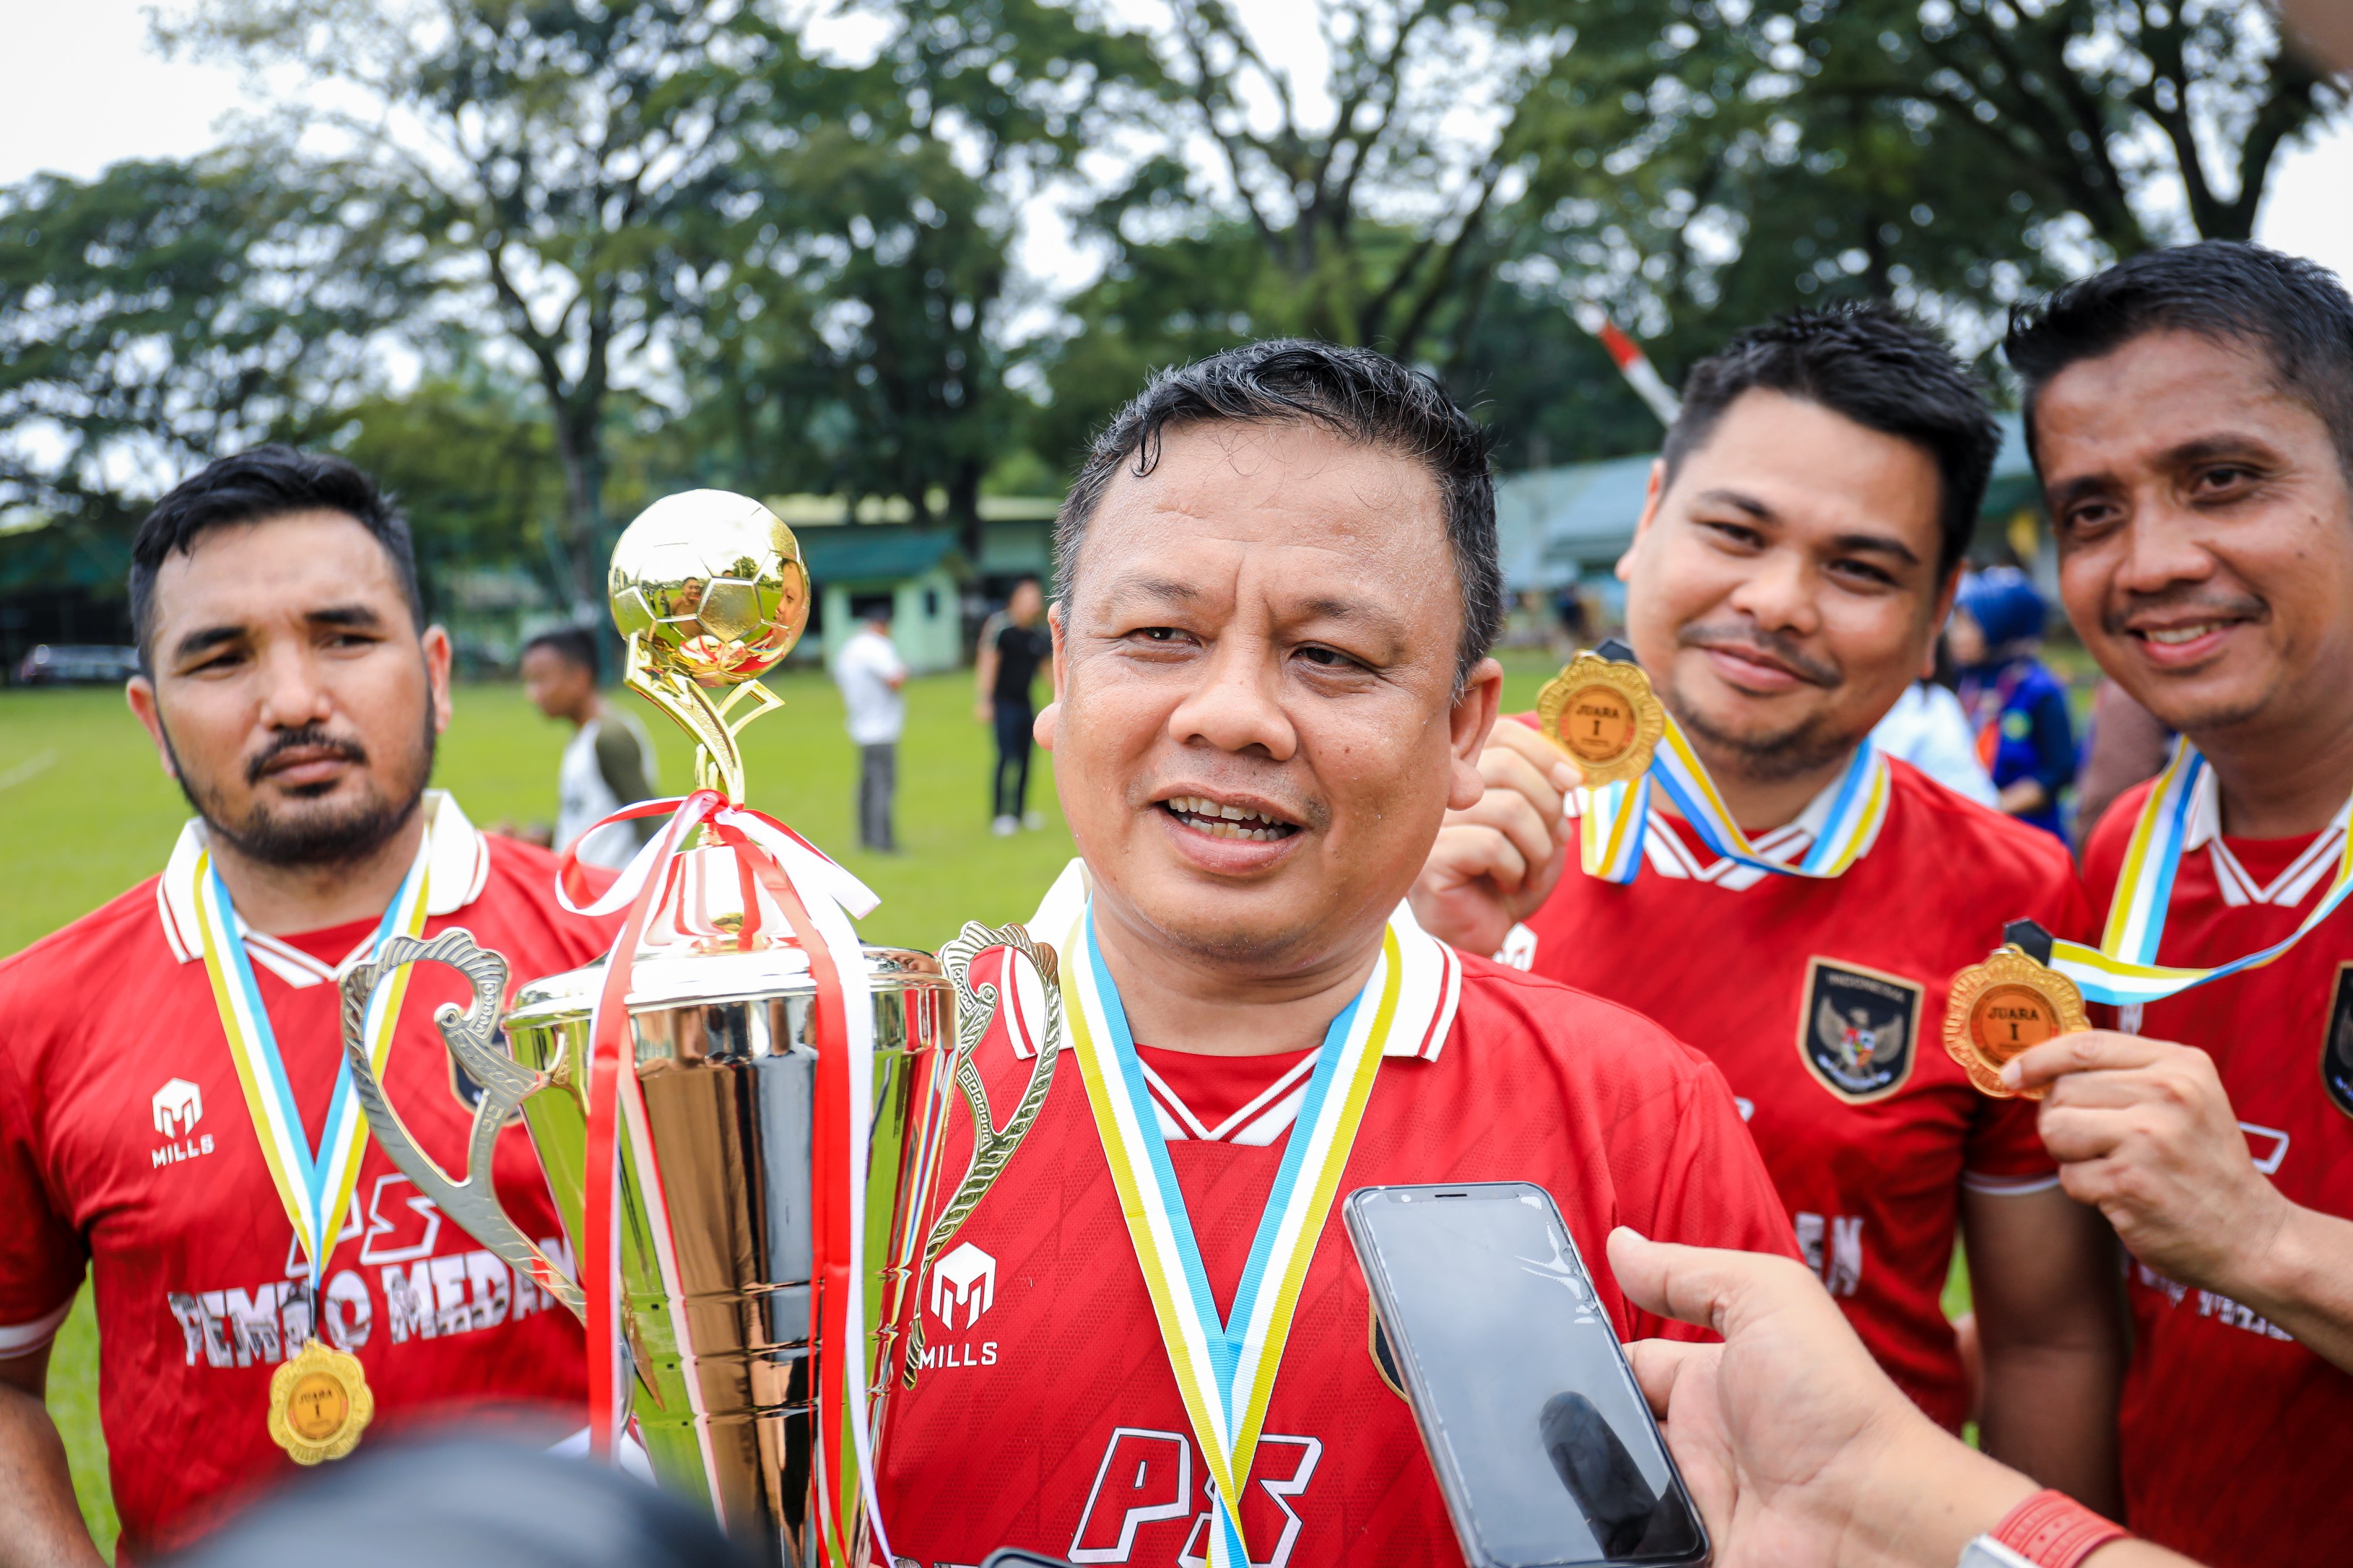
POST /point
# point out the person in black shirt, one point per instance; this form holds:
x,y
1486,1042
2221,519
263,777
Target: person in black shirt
x,y
1012,646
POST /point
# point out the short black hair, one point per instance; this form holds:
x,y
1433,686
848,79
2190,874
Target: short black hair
x,y
1358,395
2297,311
1869,363
254,487
576,645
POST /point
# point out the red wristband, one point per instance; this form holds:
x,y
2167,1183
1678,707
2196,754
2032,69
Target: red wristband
x,y
2055,1530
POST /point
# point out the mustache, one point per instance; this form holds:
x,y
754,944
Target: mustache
x,y
2117,621
307,738
1740,636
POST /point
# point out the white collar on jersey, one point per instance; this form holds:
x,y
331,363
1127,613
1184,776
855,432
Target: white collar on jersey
x,y
457,866
1670,854
2237,885
1428,994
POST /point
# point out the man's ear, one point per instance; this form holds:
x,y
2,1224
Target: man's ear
x,y
1041,729
140,693
1652,493
1469,722
435,643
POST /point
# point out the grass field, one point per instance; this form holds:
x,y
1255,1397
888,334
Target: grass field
x,y
88,814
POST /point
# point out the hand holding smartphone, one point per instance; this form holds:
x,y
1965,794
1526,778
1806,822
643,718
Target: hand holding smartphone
x,y
1543,1444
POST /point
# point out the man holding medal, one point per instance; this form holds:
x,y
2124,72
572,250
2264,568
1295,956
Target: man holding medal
x,y
2193,420
1776,893
1151,1342
174,1112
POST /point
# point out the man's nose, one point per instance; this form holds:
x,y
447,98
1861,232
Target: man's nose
x,y
1778,593
1238,705
2164,546
292,692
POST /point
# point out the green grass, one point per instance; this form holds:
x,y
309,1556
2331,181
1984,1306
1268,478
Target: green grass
x,y
90,813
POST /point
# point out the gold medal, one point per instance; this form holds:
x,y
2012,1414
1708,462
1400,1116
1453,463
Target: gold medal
x,y
1602,712
2006,1005
319,1403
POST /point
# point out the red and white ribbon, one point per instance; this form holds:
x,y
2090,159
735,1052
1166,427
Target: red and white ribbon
x,y
818,898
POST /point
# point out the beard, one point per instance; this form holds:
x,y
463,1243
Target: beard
x,y
1763,757
340,834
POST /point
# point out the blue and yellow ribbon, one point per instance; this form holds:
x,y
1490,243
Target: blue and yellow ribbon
x,y
315,1186
2123,970
1226,1367
1612,821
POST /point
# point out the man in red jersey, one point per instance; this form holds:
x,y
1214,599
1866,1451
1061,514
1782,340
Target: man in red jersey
x,y
1797,553
1279,583
294,692
2193,420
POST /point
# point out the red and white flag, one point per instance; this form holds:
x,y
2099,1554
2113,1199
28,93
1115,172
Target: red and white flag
x,y
1632,364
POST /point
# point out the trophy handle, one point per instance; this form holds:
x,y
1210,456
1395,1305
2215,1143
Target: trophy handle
x,y
991,1146
471,1035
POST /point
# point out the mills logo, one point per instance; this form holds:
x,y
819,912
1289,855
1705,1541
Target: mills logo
x,y
177,1107
965,1278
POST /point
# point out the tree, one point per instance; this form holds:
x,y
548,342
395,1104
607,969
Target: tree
x,y
568,155
1711,161
1372,216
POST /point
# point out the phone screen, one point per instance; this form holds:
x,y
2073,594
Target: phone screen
x,y
1543,1444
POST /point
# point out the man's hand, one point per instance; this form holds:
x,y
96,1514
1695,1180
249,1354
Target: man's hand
x,y
1795,1446
40,1522
2143,1131
1494,864
985,710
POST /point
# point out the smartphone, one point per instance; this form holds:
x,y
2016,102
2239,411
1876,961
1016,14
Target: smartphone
x,y
1544,1446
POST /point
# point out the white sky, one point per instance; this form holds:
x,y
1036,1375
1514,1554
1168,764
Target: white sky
x,y
80,87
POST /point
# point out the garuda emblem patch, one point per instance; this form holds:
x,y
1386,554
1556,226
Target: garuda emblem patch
x,y
1857,1029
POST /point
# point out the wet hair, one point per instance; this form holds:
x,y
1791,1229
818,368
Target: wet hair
x,y
576,646
1357,394
1868,363
2298,313
254,487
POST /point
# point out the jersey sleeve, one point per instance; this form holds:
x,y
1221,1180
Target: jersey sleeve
x,y
41,1254
1707,1187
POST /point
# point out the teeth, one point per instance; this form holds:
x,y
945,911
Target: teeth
x,y
1216,821
2179,635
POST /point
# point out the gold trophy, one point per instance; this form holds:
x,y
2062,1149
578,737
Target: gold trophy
x,y
717,1303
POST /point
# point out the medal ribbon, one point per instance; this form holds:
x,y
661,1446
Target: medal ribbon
x,y
1225,1368
816,897
2123,970
315,1188
1613,820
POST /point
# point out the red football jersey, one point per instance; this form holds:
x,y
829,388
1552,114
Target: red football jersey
x,y
126,1147
2238,1442
1823,1003
1047,1417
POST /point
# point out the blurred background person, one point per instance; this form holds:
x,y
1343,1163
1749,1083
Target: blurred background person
x,y
609,762
1012,647
1929,729
2017,707
870,672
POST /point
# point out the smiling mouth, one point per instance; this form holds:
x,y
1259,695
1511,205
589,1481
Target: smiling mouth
x,y
2174,636
1212,820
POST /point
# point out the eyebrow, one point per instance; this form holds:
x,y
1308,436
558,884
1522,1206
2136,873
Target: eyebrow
x,y
1872,544
1142,586
2202,449
207,639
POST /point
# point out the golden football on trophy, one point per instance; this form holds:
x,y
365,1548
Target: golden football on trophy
x,y
713,585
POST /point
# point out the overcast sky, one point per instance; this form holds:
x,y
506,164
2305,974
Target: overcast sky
x,y
80,88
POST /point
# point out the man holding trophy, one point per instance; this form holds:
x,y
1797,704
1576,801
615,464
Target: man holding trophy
x,y
1278,585
172,1103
